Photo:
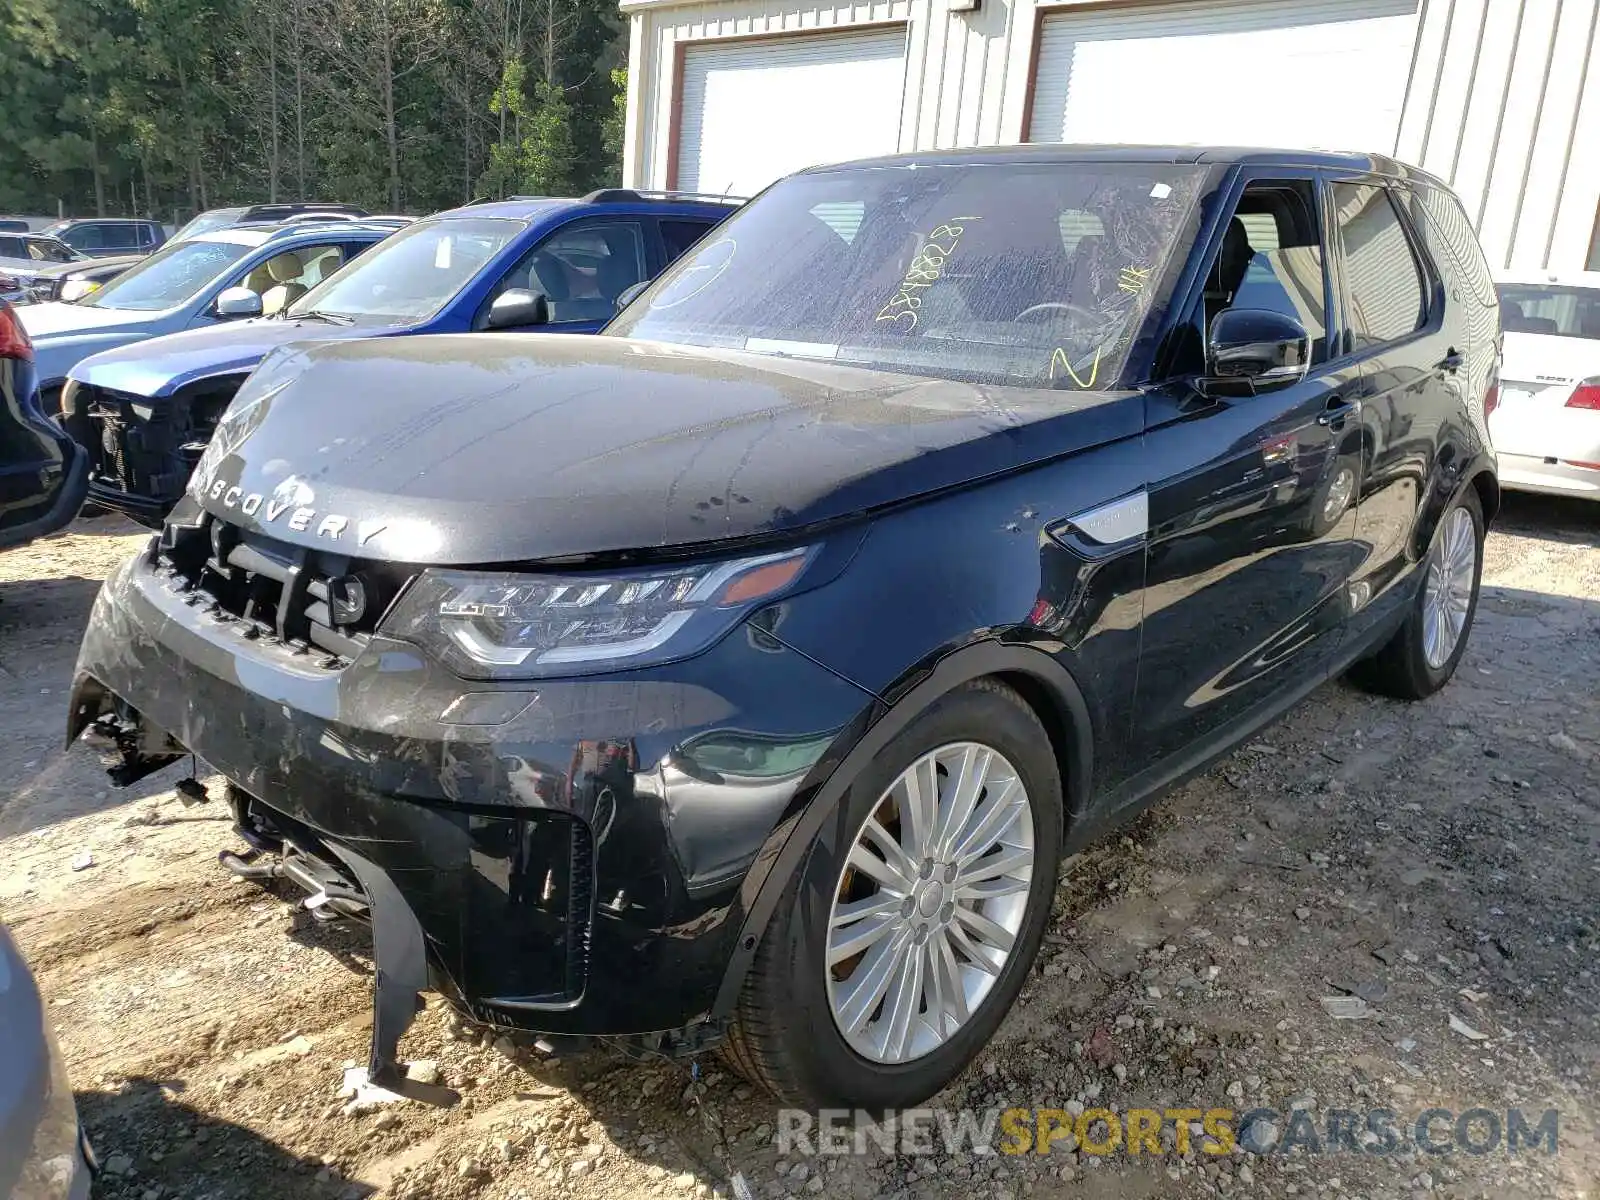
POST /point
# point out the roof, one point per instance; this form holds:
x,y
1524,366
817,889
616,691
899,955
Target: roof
x,y
63,224
521,209
527,208
1039,152
259,234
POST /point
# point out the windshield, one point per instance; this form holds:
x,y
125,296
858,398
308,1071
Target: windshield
x,y
1040,275
173,275
412,274
1558,311
217,218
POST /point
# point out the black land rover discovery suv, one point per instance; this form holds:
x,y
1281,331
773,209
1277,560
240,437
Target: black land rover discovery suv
x,y
740,675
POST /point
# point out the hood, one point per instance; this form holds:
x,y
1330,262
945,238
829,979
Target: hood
x,y
24,268
161,366
63,334
64,320
485,448
90,265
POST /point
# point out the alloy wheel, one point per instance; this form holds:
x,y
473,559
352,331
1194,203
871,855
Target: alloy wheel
x,y
930,902
1447,594
1339,493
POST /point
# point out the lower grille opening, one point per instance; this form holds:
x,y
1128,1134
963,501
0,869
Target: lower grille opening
x,y
147,447
532,908
510,922
278,592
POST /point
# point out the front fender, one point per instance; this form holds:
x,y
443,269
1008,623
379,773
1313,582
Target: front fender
x,y
867,738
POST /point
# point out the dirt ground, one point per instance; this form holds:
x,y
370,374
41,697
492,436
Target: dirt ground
x,y
1438,861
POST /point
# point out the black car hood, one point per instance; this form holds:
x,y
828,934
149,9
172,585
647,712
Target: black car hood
x,y
483,448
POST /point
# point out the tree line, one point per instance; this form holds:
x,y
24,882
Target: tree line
x,y
164,108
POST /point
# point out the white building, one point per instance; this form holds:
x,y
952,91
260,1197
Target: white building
x,y
1497,96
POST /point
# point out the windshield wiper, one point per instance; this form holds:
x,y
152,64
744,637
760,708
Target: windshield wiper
x,y
332,318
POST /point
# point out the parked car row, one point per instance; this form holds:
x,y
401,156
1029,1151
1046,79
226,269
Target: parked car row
x,y
146,410
25,256
738,677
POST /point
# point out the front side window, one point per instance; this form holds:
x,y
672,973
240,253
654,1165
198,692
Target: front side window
x,y
1036,275
582,268
172,276
13,247
412,274
42,249
1550,309
1383,283
1271,258
286,277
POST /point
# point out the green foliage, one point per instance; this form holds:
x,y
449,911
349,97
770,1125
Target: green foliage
x,y
549,150
162,107
613,130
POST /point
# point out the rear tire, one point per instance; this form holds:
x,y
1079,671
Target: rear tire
x,y
1419,660
789,1031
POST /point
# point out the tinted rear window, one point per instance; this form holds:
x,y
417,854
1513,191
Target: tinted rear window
x,y
1446,223
1552,310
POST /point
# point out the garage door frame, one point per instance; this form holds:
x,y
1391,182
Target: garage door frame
x,y
1043,12
680,51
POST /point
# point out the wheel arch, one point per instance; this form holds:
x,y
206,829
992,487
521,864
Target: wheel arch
x,y
1487,485
1045,685
1457,469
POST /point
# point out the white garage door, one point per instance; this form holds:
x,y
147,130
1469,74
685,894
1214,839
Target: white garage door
x,y
1314,74
755,110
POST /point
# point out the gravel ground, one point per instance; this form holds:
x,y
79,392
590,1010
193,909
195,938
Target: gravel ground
x,y
1437,866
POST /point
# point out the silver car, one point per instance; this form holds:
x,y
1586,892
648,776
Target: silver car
x,y
240,271
1546,429
22,255
43,1155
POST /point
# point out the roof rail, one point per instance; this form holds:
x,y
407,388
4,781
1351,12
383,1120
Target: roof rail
x,y
633,195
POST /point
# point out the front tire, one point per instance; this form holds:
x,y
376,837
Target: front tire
x,y
1425,652
911,924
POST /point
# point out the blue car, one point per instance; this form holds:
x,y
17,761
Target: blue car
x,y
146,412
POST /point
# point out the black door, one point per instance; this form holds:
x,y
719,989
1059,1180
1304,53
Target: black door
x,y
1412,349
1252,523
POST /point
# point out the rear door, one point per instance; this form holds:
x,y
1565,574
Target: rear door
x,y
1413,378
1251,523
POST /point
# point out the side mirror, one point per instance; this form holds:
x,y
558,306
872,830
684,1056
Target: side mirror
x,y
631,293
236,303
1253,350
516,307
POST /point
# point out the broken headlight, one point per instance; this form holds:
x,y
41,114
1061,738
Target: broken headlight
x,y
503,625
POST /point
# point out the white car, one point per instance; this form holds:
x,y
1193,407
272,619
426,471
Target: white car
x,y
1546,429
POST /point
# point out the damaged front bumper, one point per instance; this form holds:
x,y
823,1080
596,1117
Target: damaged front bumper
x,y
571,858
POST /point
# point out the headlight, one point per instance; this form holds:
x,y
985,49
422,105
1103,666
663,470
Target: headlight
x,y
518,626
77,289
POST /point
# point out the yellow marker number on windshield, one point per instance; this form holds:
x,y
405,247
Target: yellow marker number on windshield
x,y
927,267
1059,359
